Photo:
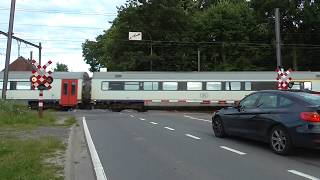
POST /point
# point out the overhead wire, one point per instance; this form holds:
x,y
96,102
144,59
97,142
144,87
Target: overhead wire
x,y
52,11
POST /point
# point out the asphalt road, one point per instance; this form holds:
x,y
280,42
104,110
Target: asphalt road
x,y
180,145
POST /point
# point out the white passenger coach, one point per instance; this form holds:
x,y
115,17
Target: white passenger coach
x,y
145,90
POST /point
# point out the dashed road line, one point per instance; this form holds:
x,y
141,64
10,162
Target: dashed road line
x,y
98,168
303,175
169,128
192,136
153,123
132,116
142,119
233,150
198,119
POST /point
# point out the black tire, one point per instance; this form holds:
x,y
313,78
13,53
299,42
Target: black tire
x,y
218,128
280,141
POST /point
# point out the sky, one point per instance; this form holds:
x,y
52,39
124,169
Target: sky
x,y
60,25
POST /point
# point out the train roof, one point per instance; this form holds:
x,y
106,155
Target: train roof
x,y
230,75
56,75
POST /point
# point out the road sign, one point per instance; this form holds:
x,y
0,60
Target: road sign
x,y
283,78
135,36
41,79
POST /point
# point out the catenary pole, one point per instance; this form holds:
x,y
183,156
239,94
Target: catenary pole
x,y
278,38
8,53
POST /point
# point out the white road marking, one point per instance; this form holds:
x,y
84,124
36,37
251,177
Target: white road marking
x,y
169,128
303,175
142,119
98,168
132,116
233,150
205,120
192,136
153,123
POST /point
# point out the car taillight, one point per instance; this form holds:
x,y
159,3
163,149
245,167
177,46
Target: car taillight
x,y
310,116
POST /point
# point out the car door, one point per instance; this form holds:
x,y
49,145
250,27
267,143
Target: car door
x,y
236,121
273,108
266,113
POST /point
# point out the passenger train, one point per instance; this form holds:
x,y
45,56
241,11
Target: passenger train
x,y
150,90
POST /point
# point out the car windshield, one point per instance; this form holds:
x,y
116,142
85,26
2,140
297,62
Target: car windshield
x,y
313,99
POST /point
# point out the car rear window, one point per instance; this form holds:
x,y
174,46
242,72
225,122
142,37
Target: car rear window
x,y
313,99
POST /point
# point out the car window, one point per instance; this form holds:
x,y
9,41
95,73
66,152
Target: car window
x,y
313,99
285,102
250,101
268,100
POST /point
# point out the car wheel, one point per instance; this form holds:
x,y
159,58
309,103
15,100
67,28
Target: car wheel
x,y
218,128
280,141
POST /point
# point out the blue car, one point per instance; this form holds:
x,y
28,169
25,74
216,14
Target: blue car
x,y
284,119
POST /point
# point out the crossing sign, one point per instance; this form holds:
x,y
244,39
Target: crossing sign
x,y
283,78
41,79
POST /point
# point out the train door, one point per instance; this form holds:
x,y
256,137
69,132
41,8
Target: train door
x,y
69,92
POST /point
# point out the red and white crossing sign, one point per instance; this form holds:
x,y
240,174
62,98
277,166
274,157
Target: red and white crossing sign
x,y
283,78
40,78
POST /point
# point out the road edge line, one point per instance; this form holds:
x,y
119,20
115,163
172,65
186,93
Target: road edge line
x,y
98,168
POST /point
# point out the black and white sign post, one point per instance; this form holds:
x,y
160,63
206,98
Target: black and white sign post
x,y
41,79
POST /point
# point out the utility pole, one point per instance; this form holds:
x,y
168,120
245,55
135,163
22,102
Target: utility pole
x,y
199,58
40,49
8,53
278,38
31,55
151,53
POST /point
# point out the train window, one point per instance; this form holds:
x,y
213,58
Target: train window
x,y
214,86
247,86
23,85
297,85
170,86
104,86
149,86
13,85
73,88
116,86
194,86
1,85
256,86
131,86
65,88
307,85
233,86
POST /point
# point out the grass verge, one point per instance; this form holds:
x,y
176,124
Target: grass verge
x,y
13,114
70,121
24,159
28,159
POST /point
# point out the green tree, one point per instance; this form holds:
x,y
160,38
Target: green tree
x,y
231,35
60,67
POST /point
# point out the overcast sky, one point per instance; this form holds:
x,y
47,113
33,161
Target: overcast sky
x,y
60,25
